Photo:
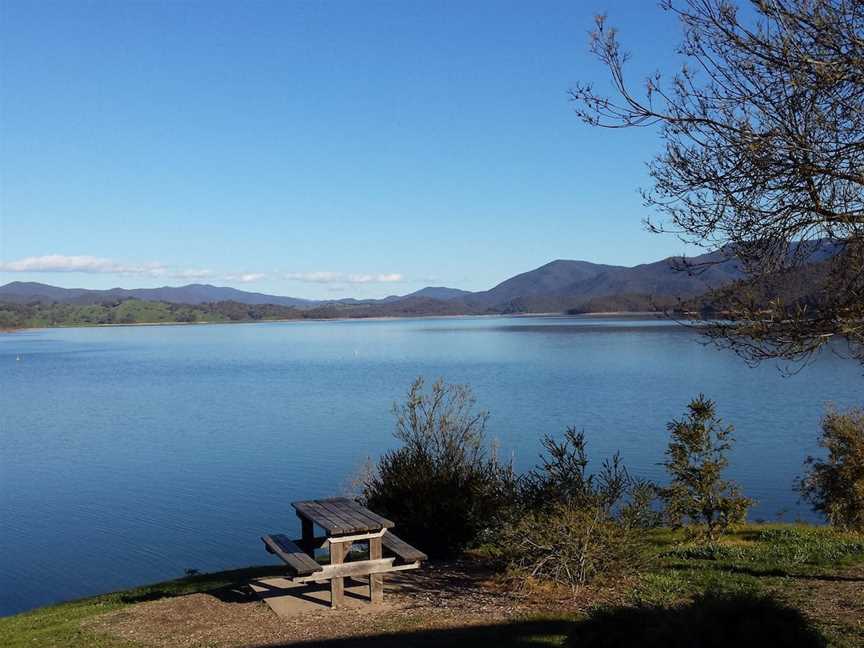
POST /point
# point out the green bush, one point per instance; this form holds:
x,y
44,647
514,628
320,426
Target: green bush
x,y
835,485
443,487
696,458
570,527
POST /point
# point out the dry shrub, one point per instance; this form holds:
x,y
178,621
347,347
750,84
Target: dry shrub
x,y
571,527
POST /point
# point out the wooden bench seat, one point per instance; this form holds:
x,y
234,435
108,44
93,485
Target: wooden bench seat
x,y
297,560
404,551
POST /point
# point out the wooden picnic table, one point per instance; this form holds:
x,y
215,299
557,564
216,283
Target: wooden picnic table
x,y
344,523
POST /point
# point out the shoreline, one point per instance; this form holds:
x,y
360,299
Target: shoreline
x,y
382,318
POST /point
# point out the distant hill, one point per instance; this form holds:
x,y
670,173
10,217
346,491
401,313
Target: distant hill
x,y
439,292
559,286
28,291
582,281
555,279
22,292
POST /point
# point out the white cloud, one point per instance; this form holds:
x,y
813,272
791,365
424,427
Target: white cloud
x,y
246,277
342,277
62,263
191,274
314,277
98,265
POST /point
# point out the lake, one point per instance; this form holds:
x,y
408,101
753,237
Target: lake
x,y
130,454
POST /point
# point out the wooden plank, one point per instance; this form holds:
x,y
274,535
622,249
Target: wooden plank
x,y
343,522
352,571
402,549
291,554
363,515
323,518
337,583
324,542
356,523
355,568
310,511
376,581
382,522
359,537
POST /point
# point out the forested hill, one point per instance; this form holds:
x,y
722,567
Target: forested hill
x,y
136,311
557,287
567,283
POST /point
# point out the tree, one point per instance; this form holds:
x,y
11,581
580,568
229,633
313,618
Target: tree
x,y
763,160
835,486
442,486
696,458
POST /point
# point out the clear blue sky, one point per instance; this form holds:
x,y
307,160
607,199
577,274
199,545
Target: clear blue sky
x,y
314,148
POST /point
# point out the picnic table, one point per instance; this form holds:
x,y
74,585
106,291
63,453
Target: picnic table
x,y
344,522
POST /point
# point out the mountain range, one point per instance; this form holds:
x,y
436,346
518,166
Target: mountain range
x,y
558,286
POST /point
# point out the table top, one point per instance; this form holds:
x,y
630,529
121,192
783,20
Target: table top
x,y
341,516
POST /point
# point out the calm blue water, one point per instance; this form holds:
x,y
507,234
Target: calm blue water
x,y
130,454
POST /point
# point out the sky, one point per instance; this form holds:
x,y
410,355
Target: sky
x,y
315,149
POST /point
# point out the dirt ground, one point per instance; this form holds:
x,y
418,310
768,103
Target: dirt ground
x,y
438,596
834,601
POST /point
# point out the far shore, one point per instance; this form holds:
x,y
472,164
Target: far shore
x,y
381,318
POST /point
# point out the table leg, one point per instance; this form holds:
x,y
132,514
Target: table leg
x,y
337,585
376,581
308,536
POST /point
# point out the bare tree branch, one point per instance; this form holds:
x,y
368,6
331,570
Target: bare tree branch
x,y
763,133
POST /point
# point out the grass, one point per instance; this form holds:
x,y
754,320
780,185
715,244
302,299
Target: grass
x,y
812,574
746,560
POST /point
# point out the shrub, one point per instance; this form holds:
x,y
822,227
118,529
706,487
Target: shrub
x,y
835,486
443,487
562,477
571,527
696,458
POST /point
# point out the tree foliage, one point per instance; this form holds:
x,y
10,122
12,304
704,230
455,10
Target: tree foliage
x,y
696,458
443,485
835,485
763,158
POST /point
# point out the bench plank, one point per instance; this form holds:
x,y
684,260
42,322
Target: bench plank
x,y
291,554
402,549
